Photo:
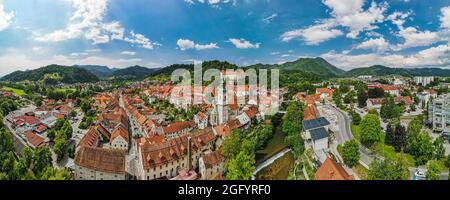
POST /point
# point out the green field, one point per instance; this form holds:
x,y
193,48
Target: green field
x,y
66,90
17,92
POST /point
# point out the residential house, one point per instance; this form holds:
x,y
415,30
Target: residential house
x,y
210,164
93,163
330,170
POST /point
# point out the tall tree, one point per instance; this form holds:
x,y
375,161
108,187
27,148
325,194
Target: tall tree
x,y
390,134
400,140
414,127
241,167
388,169
362,99
439,149
433,170
421,148
350,153
370,130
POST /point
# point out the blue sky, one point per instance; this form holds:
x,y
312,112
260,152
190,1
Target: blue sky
x,y
155,33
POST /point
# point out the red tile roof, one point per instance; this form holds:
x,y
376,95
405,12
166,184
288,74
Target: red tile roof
x,y
178,126
35,139
119,131
330,170
212,159
100,159
91,138
165,152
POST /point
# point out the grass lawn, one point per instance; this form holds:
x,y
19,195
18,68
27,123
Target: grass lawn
x,y
17,92
362,172
66,90
356,130
388,151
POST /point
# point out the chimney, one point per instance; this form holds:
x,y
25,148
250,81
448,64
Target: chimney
x,y
189,164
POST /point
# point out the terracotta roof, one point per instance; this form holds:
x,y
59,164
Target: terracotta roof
x,y
59,115
178,126
165,152
325,91
309,113
251,112
330,170
91,138
405,99
431,91
41,128
212,159
99,159
222,130
388,87
119,131
35,139
201,116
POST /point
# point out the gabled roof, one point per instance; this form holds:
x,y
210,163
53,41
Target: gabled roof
x,y
319,133
35,139
330,170
315,123
212,159
119,131
100,159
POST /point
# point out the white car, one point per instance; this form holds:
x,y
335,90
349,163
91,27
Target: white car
x,y
419,175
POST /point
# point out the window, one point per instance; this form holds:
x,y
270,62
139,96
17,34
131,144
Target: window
x,y
167,172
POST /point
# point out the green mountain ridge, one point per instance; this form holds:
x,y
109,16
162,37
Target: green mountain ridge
x,y
64,74
317,65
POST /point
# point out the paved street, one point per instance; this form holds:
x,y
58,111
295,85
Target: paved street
x,y
343,132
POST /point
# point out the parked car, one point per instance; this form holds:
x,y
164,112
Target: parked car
x,y
419,175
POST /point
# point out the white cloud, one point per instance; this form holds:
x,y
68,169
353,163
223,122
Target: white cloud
x,y
350,14
378,44
243,44
275,53
314,34
88,21
185,44
210,2
5,18
270,18
445,17
431,57
36,48
130,53
345,13
416,38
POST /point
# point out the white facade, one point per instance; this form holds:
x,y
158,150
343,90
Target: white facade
x,y
423,80
119,143
83,173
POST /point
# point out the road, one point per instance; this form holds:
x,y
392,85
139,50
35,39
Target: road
x,y
345,134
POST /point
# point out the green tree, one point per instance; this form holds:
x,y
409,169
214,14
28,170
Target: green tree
x,y
388,109
421,148
370,130
414,128
439,149
241,167
388,169
433,170
362,99
356,118
350,153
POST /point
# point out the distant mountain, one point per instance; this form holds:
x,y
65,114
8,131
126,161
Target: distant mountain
x,y
99,71
317,66
380,70
134,73
53,74
215,64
